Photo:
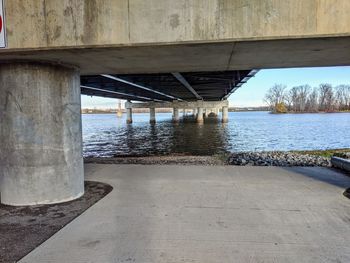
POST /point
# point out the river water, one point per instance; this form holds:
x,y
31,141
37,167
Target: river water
x,y
105,135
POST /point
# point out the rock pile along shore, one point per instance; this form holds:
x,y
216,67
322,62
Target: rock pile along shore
x,y
277,159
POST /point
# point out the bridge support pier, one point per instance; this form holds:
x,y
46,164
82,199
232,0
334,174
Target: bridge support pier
x,y
176,117
129,115
197,106
40,133
195,112
225,114
152,112
216,111
200,115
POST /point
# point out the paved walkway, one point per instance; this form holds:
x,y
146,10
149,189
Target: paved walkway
x,y
208,214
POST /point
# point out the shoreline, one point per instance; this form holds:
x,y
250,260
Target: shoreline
x,y
266,158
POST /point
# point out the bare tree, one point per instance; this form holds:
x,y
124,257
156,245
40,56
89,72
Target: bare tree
x,y
275,95
303,96
312,101
293,97
298,97
327,98
343,97
288,101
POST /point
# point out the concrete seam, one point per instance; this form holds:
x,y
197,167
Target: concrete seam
x,y
231,55
75,25
129,21
316,16
45,24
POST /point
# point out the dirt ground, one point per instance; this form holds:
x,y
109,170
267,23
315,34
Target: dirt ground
x,y
24,228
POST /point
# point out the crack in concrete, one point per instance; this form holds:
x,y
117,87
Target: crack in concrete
x,y
231,55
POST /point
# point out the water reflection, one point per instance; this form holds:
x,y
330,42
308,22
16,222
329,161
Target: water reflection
x,y
106,135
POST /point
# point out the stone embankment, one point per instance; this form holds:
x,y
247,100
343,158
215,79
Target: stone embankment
x,y
277,159
318,158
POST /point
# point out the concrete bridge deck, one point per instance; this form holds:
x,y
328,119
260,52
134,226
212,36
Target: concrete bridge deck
x,y
172,86
207,215
137,36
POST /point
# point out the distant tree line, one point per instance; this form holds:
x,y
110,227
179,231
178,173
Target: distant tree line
x,y
304,98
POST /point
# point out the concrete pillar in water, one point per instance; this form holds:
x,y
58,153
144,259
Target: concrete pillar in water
x,y
195,113
217,111
129,115
119,109
152,112
200,115
40,133
224,114
176,117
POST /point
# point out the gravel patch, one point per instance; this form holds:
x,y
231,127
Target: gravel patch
x,y
277,159
159,160
242,159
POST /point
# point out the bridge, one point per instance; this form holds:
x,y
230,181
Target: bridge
x,y
192,89
151,51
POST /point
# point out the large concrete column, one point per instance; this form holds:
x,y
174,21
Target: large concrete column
x,y
200,115
40,134
224,114
152,115
176,117
129,115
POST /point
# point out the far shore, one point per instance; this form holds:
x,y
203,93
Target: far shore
x,y
309,112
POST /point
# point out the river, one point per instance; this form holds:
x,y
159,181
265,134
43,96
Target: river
x,y
106,135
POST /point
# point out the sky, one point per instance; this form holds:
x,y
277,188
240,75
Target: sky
x,y
252,93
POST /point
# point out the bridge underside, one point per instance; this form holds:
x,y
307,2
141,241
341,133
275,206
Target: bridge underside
x,y
183,52
190,86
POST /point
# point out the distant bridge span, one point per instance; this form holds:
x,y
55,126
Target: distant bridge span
x,y
190,86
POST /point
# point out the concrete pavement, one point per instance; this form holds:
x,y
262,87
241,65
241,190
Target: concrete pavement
x,y
208,214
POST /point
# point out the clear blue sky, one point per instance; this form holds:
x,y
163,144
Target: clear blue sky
x,y
252,93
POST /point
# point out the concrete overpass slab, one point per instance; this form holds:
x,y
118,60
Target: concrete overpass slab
x,y
194,56
208,214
